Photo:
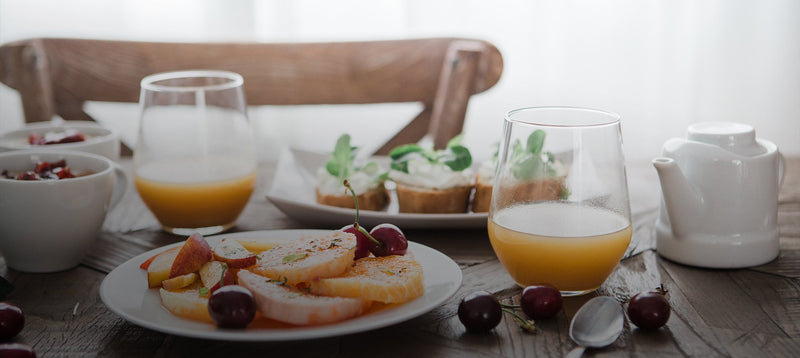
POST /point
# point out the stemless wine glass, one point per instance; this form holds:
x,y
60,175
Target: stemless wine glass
x,y
560,212
194,161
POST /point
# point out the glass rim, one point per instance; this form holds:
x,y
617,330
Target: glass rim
x,y
611,118
149,82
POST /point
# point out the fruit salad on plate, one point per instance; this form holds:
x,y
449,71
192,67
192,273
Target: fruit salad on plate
x,y
318,279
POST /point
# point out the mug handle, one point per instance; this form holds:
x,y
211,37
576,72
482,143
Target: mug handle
x,y
120,186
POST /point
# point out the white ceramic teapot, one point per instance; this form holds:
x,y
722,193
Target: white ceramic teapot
x,y
720,197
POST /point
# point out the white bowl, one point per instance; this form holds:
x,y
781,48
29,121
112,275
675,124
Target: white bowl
x,y
100,140
49,225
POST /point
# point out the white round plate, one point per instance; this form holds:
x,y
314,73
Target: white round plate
x,y
124,291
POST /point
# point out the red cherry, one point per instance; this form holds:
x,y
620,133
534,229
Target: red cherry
x,y
232,306
480,312
11,320
362,241
391,238
16,350
541,301
649,310
383,240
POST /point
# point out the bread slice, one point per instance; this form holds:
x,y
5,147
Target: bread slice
x,y
303,260
288,304
376,199
483,195
413,199
534,190
389,279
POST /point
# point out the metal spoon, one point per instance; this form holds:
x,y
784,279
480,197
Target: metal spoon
x,y
597,324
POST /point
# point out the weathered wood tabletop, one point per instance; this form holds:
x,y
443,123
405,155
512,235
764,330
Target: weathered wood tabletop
x,y
727,313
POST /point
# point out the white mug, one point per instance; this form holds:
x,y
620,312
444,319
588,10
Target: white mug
x,y
49,225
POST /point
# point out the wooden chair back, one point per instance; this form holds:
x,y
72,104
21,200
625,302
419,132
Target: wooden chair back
x,y
57,76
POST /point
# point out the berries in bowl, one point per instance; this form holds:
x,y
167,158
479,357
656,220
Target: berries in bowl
x,y
59,136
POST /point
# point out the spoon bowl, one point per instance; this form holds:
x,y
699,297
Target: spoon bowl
x,y
597,324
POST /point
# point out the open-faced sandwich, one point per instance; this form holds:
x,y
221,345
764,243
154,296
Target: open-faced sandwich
x,y
432,181
367,180
535,175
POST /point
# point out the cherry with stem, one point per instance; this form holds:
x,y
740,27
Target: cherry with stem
x,y
383,240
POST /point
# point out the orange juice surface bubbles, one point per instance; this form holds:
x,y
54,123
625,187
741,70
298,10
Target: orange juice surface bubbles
x,y
574,247
187,194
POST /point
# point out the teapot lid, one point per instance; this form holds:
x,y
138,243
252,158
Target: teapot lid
x,y
734,137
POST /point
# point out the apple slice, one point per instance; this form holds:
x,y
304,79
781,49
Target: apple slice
x,y
212,272
179,282
145,265
186,303
229,278
159,268
194,253
234,254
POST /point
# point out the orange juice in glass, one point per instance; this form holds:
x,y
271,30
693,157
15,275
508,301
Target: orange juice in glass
x,y
574,242
194,162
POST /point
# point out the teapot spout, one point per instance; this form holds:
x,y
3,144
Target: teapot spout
x,y
684,205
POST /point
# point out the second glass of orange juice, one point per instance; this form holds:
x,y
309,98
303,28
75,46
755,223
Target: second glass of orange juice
x,y
194,161
572,242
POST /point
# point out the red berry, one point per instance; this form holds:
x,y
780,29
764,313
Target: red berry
x,y
11,320
541,301
362,241
232,306
480,312
392,239
649,310
16,350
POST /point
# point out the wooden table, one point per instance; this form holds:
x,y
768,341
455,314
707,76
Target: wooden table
x,y
740,313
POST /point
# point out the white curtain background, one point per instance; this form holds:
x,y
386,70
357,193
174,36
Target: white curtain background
x,y
661,65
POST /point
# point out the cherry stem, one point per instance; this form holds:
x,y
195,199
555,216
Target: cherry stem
x,y
526,324
509,306
355,224
222,276
662,290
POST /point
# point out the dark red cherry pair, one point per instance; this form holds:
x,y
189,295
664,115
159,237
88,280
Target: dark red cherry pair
x,y
382,240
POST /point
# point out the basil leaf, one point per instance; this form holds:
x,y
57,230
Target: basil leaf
x,y
455,141
535,141
404,149
400,164
564,193
433,156
528,166
332,167
459,159
342,158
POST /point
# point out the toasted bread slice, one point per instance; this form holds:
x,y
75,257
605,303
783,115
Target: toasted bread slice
x,y
308,258
288,304
421,200
388,279
483,196
533,190
375,199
